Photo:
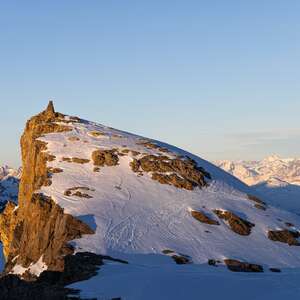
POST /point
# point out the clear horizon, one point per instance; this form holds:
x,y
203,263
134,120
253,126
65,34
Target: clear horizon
x,y
218,79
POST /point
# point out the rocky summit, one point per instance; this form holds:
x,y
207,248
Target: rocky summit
x,y
94,200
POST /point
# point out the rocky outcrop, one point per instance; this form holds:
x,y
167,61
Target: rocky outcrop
x,y
285,236
7,226
77,191
107,158
96,133
239,266
181,173
179,258
237,224
203,218
51,284
152,145
39,227
258,203
256,199
76,160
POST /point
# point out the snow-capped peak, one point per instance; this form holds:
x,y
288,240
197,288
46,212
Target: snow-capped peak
x,y
272,158
134,210
276,178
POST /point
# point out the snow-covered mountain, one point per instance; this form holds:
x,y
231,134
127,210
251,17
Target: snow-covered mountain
x,y
269,169
276,178
9,184
89,190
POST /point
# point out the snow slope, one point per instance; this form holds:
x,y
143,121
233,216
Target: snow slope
x,y
155,278
276,178
135,214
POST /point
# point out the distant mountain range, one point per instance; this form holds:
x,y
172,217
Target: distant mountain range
x,y
9,184
275,178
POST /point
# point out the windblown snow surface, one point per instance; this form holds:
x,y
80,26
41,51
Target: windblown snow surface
x,y
136,218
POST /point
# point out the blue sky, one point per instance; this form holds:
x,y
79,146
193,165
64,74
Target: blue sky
x,y
219,78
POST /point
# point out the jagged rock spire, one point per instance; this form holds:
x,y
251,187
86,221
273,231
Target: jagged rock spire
x,y
50,111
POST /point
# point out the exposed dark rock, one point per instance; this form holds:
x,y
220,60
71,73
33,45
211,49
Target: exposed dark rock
x,y
54,170
67,159
107,158
173,179
258,203
8,223
50,111
237,224
75,191
135,165
182,173
238,266
212,262
256,199
78,160
135,153
148,144
260,206
203,218
275,270
51,284
285,236
181,259
96,133
74,138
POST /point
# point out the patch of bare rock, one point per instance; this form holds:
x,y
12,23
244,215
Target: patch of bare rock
x,y
76,160
107,158
181,173
51,284
77,191
275,270
95,133
150,145
258,203
285,236
203,218
213,262
179,258
239,266
133,152
236,223
74,138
